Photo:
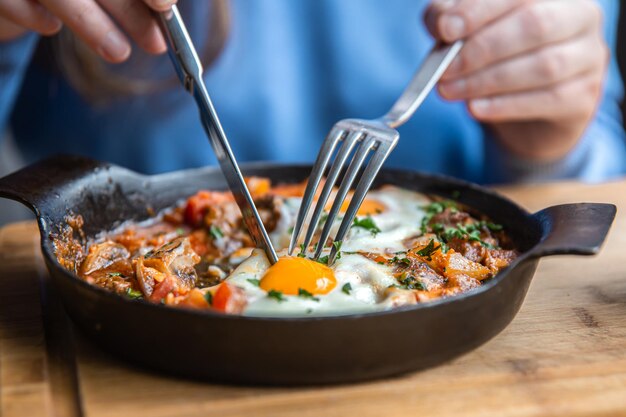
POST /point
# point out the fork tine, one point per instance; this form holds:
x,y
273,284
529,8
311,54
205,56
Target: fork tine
x,y
328,147
378,158
346,183
340,161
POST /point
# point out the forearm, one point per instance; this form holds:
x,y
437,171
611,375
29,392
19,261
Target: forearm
x,y
598,156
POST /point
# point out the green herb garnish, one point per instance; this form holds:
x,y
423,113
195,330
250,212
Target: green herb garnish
x,y
114,274
302,253
323,260
216,232
134,294
494,227
409,282
277,295
305,294
366,223
346,288
208,296
180,231
396,259
254,281
428,250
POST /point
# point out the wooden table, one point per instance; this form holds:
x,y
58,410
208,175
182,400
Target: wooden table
x,y
564,354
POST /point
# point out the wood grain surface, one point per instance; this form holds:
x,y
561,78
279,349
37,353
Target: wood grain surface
x,y
563,355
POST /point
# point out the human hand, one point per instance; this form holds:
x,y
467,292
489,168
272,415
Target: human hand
x,y
90,20
530,69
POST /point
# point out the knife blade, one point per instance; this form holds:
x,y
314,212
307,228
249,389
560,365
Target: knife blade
x,y
189,69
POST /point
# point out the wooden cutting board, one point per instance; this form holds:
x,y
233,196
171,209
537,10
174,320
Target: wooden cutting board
x,y
564,354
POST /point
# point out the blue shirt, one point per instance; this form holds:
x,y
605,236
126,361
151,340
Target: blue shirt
x,y
288,72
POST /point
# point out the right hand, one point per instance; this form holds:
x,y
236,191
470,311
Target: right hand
x,y
91,21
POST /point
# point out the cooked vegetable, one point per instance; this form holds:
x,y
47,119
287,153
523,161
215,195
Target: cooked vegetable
x,y
200,256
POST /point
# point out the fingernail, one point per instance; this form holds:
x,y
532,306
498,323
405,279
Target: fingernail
x,y
453,27
164,4
480,106
453,89
114,47
444,4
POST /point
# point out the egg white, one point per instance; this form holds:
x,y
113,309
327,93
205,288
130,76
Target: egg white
x,y
368,280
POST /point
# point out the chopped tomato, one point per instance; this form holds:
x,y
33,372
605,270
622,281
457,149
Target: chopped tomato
x,y
229,299
163,288
195,208
197,205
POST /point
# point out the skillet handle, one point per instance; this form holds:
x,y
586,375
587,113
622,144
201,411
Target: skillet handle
x,y
573,229
36,184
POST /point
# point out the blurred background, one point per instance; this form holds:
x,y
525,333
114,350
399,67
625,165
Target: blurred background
x,y
11,160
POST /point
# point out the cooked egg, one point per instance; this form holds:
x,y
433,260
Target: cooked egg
x,y
291,274
297,286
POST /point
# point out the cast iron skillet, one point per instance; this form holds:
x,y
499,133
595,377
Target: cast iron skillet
x,y
283,351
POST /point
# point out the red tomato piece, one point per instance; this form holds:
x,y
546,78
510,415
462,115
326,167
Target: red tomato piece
x,y
229,299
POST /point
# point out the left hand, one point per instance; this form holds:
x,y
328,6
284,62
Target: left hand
x,y
530,69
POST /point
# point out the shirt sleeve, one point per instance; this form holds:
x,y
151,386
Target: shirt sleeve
x,y
601,152
15,56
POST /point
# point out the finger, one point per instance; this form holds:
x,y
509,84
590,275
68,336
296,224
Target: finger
x,y
542,68
528,28
31,15
575,97
450,20
93,26
160,5
138,22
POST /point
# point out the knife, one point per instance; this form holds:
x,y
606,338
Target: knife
x,y
189,69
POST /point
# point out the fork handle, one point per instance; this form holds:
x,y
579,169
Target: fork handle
x,y
426,77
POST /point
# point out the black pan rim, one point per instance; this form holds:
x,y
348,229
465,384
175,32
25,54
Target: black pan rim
x,y
50,258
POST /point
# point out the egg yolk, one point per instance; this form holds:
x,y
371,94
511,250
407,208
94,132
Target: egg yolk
x,y
290,274
368,207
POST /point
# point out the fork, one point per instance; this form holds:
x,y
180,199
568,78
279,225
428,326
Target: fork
x,y
378,137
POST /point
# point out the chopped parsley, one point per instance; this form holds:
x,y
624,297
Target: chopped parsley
x,y
305,294
366,223
409,282
115,274
434,208
277,295
323,260
494,227
254,281
302,253
134,294
470,232
208,296
347,288
180,231
428,250
396,259
216,232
